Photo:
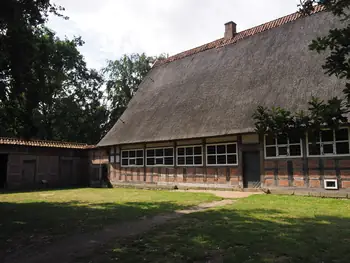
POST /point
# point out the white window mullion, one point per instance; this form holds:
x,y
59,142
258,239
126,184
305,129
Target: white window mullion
x,y
128,159
193,155
332,145
224,155
286,149
161,159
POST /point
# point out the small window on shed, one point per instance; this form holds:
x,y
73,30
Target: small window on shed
x,y
114,155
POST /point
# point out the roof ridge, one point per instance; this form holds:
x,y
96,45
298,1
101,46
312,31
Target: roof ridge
x,y
44,143
221,42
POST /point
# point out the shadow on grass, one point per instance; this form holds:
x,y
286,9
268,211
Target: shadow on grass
x,y
226,235
39,189
36,223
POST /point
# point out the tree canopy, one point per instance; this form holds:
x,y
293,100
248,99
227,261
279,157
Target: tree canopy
x,y
123,76
46,89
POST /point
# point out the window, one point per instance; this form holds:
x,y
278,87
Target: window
x,y
222,154
132,157
114,154
328,142
282,146
190,156
330,184
160,157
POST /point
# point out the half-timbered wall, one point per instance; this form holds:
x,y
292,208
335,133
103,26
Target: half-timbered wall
x,y
296,172
225,176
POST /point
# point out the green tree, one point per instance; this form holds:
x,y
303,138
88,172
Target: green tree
x,y
123,76
70,97
80,114
331,113
19,21
46,89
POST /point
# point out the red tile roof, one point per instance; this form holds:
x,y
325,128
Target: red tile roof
x,y
42,143
239,36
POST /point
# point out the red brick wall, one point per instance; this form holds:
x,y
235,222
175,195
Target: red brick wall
x,y
212,175
309,172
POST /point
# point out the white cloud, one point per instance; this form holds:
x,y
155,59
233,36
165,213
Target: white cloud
x,y
112,28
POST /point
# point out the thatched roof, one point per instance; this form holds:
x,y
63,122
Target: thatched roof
x,y
214,91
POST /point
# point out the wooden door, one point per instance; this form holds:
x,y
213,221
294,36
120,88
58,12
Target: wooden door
x,y
251,169
66,169
28,171
3,170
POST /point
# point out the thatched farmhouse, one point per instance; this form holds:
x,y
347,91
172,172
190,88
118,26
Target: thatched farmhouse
x,y
190,123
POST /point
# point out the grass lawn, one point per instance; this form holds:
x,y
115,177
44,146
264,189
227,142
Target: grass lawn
x,y
262,228
34,218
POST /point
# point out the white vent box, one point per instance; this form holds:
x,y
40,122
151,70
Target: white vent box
x,y
331,184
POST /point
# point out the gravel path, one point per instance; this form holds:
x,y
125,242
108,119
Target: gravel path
x,y
224,194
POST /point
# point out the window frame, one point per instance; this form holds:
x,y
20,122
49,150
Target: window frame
x,y
160,165
193,155
114,154
333,143
111,155
216,144
276,145
128,158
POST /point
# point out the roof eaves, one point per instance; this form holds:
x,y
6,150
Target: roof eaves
x,y
42,143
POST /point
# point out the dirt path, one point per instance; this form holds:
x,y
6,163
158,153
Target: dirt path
x,y
79,245
225,194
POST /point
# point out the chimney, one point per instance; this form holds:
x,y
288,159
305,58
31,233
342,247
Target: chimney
x,y
230,30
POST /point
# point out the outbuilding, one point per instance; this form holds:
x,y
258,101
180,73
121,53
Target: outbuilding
x,y
36,163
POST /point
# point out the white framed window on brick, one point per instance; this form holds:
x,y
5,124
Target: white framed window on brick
x,y
191,155
282,146
114,154
328,143
222,154
160,156
132,157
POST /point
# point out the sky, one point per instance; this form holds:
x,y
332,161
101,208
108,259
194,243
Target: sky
x,y
111,28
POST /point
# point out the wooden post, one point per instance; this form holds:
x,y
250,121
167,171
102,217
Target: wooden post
x,y
144,164
175,161
204,161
